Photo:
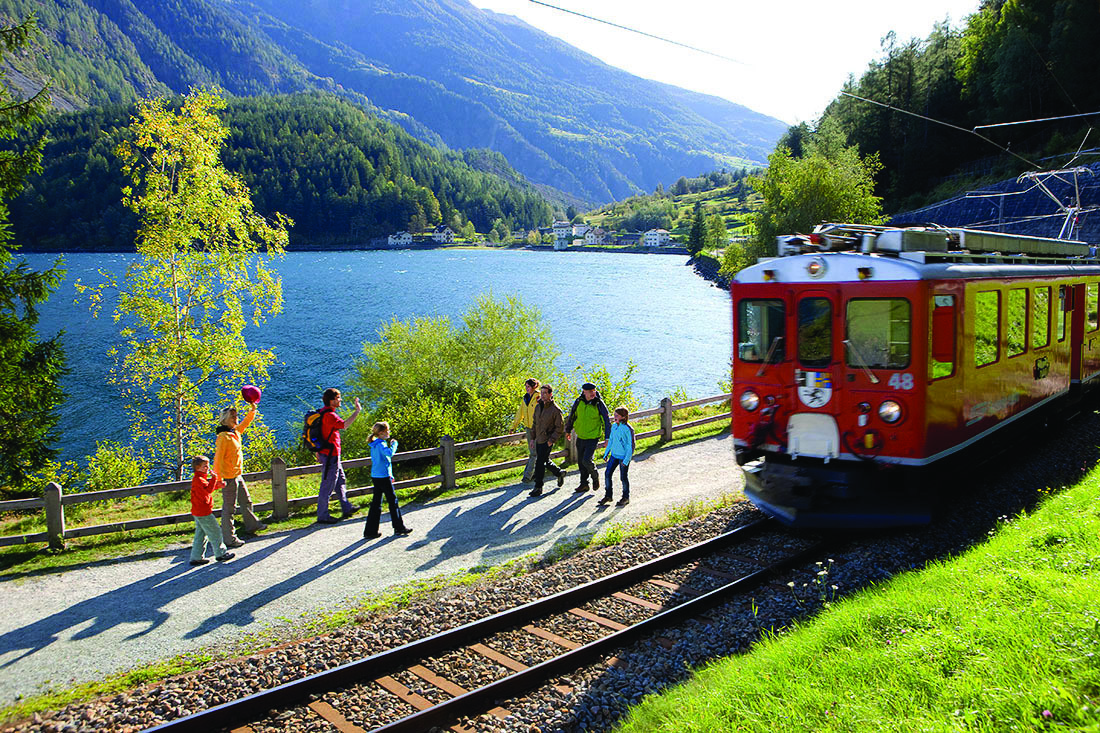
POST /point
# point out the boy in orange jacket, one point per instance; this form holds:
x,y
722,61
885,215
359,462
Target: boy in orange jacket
x,y
203,484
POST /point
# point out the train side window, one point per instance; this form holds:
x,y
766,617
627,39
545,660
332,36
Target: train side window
x,y
987,342
879,333
942,352
760,325
1040,318
1016,323
1060,314
815,332
1091,311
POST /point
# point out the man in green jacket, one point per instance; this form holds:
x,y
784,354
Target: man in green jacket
x,y
589,418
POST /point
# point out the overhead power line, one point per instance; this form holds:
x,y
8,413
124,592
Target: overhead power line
x,y
640,33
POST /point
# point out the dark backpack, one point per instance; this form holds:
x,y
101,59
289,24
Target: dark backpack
x,y
312,436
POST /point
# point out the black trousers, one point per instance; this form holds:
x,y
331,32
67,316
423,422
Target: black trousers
x,y
542,463
586,449
382,486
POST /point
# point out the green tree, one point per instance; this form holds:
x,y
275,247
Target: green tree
x,y
30,369
430,377
697,236
199,278
716,236
831,182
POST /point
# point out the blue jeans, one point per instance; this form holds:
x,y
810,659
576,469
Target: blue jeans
x,y
333,481
383,485
623,468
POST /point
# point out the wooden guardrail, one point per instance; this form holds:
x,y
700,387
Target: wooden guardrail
x,y
54,500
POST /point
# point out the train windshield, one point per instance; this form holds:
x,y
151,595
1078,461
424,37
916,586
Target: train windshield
x,y
879,333
760,330
815,332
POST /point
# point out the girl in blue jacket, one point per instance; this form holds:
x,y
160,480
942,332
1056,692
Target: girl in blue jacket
x,y
381,475
620,448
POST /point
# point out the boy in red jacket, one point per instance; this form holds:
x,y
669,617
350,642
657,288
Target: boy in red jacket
x,y
203,484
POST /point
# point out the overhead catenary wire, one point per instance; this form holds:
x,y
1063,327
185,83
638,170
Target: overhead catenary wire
x,y
640,33
940,122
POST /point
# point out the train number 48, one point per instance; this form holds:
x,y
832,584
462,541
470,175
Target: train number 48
x,y
901,381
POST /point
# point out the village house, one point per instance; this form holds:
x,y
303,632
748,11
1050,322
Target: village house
x,y
595,236
563,233
401,239
443,234
657,238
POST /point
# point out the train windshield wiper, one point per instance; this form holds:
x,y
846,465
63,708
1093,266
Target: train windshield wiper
x,y
861,362
769,355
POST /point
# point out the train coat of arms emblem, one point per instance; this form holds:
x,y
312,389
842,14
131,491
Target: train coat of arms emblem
x,y
815,389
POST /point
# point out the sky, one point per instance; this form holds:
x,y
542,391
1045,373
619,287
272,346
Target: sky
x,y
790,57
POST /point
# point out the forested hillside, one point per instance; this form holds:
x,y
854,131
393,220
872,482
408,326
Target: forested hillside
x,y
445,70
1014,60
343,176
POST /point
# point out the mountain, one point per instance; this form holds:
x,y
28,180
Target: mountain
x,y
445,70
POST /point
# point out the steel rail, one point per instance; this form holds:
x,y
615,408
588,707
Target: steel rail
x,y
289,694
483,698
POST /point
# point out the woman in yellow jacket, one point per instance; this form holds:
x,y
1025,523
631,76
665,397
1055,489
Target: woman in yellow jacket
x,y
525,414
229,464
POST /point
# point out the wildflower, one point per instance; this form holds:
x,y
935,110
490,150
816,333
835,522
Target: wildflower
x,y
791,584
1047,714
833,587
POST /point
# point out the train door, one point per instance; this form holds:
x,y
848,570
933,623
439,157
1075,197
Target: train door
x,y
1074,306
812,428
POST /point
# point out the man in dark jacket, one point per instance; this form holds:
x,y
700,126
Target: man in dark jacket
x,y
589,418
548,428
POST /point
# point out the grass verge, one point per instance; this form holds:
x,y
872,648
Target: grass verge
x,y
1004,637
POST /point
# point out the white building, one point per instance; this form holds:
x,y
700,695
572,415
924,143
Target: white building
x,y
401,239
563,233
443,234
595,236
579,230
657,238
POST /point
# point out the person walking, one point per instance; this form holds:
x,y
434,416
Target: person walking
x,y
333,480
548,428
229,465
525,415
589,418
207,531
619,451
381,475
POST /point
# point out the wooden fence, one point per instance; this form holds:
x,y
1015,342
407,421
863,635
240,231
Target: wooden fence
x,y
54,500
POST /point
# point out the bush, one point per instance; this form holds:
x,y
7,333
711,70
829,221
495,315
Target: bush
x,y
115,466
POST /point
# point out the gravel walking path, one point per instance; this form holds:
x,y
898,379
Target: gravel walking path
x,y
81,625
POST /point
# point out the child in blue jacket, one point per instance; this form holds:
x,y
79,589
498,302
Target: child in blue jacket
x,y
381,475
620,448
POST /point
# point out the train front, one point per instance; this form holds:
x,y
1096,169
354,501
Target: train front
x,y
827,384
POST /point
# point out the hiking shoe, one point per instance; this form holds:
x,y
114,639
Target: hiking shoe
x,y
234,543
622,502
581,488
402,532
226,556
535,492
595,481
561,479
202,561
372,535
605,501
354,509
327,520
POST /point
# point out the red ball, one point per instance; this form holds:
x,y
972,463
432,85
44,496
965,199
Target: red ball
x,y
250,393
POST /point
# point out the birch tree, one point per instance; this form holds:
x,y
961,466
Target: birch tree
x,y
201,275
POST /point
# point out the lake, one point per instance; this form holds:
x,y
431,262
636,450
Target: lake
x,y
602,308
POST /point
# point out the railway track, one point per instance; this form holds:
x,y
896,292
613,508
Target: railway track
x,y
450,701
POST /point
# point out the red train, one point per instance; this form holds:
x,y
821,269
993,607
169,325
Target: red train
x,y
864,356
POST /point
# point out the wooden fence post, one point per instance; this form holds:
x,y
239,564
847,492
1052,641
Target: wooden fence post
x,y
447,462
280,508
666,419
55,516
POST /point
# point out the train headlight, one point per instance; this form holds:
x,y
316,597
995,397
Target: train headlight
x,y
889,411
750,400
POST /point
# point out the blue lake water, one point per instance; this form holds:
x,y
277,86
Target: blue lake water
x,y
602,308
